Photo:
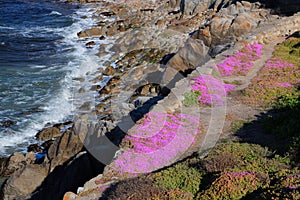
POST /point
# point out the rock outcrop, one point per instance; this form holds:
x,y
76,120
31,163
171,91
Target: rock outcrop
x,y
24,181
27,175
48,133
232,22
192,7
192,55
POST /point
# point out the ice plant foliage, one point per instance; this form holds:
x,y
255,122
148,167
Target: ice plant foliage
x,y
292,181
241,62
163,146
212,90
232,185
276,79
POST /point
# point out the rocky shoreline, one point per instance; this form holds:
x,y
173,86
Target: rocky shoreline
x,y
152,51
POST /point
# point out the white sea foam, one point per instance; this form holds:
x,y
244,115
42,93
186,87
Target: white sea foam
x,y
63,103
55,13
38,66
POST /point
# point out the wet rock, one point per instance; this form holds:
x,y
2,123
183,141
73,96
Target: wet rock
x,y
85,106
90,32
3,164
48,133
81,90
7,123
34,148
107,13
114,81
109,71
79,79
46,145
105,90
100,107
27,176
102,37
90,44
95,87
97,79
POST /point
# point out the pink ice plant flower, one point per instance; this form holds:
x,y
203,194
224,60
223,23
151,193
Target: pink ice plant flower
x,y
213,91
147,154
277,78
284,84
241,62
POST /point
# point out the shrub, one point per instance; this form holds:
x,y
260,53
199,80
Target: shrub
x,y
181,176
191,98
232,185
240,157
141,188
285,185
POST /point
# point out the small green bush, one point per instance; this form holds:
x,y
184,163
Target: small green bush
x,y
191,98
241,157
181,176
289,101
232,185
285,185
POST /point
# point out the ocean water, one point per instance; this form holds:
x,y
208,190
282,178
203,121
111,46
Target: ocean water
x,y
40,55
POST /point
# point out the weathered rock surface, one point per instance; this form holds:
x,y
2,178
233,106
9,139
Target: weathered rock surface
x,y
15,162
27,176
232,22
23,182
192,55
48,133
68,177
109,71
68,145
191,7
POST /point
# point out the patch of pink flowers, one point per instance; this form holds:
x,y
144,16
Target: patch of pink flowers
x,y
165,145
284,84
241,62
213,91
277,78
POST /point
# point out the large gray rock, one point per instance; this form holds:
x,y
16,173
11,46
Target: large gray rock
x,y
23,182
230,23
68,177
191,7
14,162
27,176
64,148
48,133
193,54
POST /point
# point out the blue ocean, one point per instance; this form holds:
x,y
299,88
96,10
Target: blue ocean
x,y
40,55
